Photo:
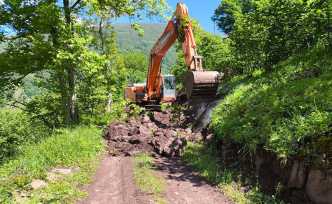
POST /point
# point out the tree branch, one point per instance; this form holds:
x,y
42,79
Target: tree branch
x,y
75,4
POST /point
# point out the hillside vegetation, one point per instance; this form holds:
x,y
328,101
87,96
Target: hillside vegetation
x,y
287,111
279,95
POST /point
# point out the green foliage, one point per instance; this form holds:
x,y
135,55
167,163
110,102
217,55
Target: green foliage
x,y
67,148
46,107
137,65
264,33
284,111
49,37
119,111
16,130
226,13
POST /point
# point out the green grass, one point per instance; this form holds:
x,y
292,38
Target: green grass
x,y
79,147
205,160
287,111
146,179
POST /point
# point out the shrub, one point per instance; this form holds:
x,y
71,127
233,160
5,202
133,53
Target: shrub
x,y
17,129
78,147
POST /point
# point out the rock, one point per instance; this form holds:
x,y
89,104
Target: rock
x,y
59,173
245,189
20,196
65,171
258,163
188,131
135,140
131,153
151,125
144,131
209,137
53,176
172,133
38,184
133,131
145,119
297,175
145,134
319,187
158,133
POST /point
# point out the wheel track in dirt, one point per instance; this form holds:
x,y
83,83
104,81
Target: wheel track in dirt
x,y
184,186
113,184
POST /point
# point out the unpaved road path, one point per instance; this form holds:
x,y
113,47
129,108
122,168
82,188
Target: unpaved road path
x,y
114,184
186,187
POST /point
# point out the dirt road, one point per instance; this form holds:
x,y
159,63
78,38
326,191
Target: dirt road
x,y
186,187
114,184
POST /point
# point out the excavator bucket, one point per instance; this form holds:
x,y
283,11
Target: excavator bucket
x,y
202,84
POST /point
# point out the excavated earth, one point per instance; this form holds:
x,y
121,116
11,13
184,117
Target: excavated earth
x,y
158,132
164,134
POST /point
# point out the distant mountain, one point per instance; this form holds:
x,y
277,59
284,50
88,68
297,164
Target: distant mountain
x,y
129,40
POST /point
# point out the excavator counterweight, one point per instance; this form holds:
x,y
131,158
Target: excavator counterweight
x,y
198,82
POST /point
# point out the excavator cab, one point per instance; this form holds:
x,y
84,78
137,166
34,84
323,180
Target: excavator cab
x,y
169,86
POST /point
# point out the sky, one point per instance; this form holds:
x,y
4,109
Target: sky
x,y
201,10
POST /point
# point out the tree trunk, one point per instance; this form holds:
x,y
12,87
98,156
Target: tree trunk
x,y
71,111
101,36
61,78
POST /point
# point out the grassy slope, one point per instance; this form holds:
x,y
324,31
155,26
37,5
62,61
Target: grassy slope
x,y
129,40
78,147
287,111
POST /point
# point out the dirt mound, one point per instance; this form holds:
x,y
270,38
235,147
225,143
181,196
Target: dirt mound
x,y
157,131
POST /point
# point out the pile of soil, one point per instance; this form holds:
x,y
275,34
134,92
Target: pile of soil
x,y
156,132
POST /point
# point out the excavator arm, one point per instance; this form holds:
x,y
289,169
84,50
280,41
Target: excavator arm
x,y
159,50
164,43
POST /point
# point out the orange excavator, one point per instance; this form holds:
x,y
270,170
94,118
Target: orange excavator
x,y
158,88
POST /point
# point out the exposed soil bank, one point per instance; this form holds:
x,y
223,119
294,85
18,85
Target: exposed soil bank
x,y
294,181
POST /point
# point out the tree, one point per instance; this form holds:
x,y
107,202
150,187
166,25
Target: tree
x,y
225,15
273,30
137,65
51,35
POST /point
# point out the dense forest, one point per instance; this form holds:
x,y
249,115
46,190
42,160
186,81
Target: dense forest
x,y
64,66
